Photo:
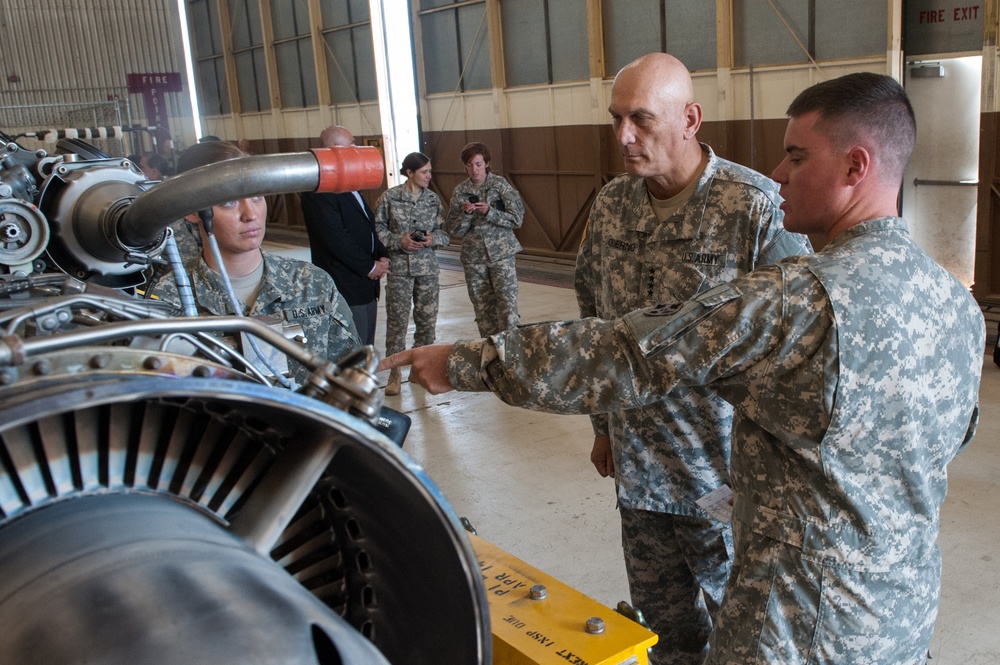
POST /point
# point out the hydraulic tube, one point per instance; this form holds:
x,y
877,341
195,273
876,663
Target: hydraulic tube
x,y
321,170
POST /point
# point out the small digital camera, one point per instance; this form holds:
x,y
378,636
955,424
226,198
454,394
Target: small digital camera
x,y
473,198
418,236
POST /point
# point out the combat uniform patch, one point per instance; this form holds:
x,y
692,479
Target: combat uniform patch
x,y
703,258
681,317
664,309
624,245
307,311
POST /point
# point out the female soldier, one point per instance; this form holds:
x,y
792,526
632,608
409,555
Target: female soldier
x,y
485,210
263,283
408,222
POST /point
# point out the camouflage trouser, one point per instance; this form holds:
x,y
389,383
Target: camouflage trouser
x,y
493,292
787,603
400,292
677,569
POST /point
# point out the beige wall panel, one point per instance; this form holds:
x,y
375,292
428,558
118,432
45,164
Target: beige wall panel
x,y
257,125
530,107
575,105
470,111
603,101
775,87
579,104
222,126
269,124
308,123
297,122
551,106
316,124
772,91
361,119
706,93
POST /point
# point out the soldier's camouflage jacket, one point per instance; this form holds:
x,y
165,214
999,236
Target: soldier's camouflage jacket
x,y
486,238
855,376
297,291
669,454
397,214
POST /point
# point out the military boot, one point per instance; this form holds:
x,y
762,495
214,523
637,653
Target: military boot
x,y
395,381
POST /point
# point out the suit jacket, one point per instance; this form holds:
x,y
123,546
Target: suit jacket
x,y
344,243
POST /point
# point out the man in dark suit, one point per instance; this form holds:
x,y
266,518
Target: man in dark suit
x,y
342,237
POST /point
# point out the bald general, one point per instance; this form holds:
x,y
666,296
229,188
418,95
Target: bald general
x,y
656,121
336,137
660,70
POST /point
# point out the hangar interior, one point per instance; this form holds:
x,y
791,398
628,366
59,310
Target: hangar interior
x,y
532,79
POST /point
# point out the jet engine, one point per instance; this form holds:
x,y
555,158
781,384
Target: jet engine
x,y
166,507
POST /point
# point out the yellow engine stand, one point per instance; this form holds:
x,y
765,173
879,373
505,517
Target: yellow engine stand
x,y
560,628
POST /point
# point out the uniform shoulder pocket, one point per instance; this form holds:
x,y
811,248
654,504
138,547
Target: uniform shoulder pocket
x,y
658,327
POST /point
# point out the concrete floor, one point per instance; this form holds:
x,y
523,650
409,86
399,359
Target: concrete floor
x,y
525,482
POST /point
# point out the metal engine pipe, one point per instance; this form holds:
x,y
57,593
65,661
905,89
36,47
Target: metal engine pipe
x,y
342,169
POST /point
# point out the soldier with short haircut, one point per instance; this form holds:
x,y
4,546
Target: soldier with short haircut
x,y
854,373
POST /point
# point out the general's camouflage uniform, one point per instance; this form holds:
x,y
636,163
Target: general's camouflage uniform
x,y
413,276
297,291
669,454
855,376
488,250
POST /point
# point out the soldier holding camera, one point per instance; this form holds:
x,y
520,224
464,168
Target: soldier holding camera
x,y
408,221
485,210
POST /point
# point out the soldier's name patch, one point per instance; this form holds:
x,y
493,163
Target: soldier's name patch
x,y
665,309
307,311
703,258
614,243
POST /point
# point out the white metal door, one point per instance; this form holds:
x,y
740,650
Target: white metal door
x,y
940,184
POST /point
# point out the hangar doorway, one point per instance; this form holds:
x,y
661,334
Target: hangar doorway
x,y
940,186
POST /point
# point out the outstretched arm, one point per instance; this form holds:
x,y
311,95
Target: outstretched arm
x,y
599,366
428,366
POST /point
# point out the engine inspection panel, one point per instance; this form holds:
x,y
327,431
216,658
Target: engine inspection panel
x,y
538,620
